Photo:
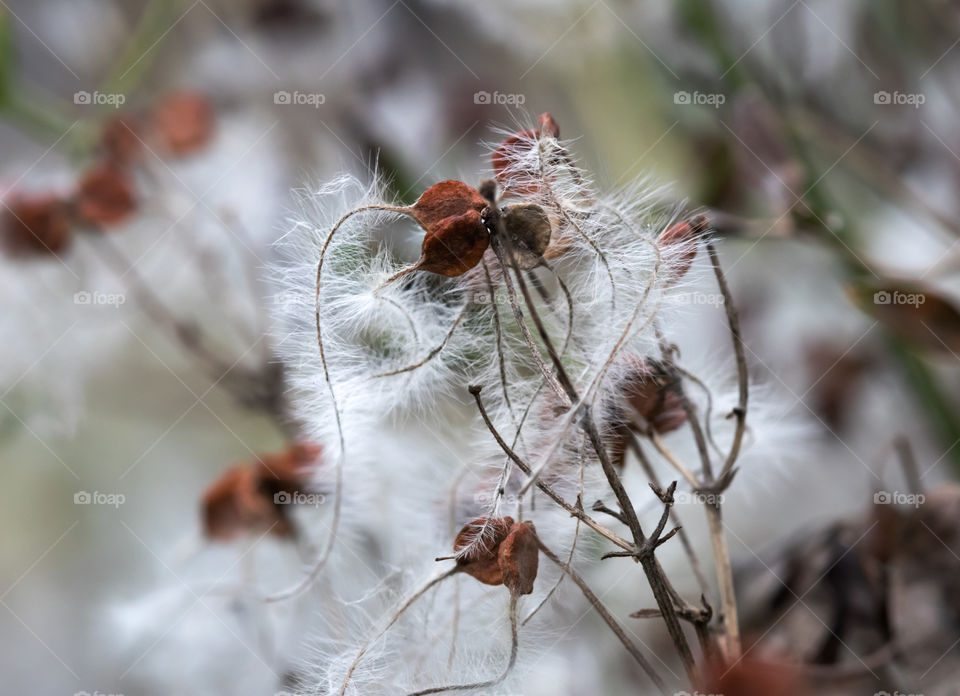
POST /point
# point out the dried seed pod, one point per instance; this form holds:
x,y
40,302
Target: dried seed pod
x,y
235,505
482,561
454,245
547,125
36,225
528,229
749,676
289,469
650,392
456,237
183,122
519,558
511,152
104,196
679,242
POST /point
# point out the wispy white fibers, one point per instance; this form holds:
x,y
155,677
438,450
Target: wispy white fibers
x,y
381,375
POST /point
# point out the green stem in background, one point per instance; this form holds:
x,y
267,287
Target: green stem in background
x,y
143,47
921,379
700,18
39,117
925,385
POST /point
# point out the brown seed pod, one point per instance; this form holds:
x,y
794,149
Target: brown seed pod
x,y
482,562
235,505
183,122
679,242
244,499
104,196
528,229
36,225
652,395
749,676
513,149
456,238
519,558
289,469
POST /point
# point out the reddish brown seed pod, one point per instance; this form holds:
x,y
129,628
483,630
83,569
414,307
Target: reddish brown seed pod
x,y
510,153
289,469
183,122
36,225
456,237
444,200
679,241
482,562
547,125
519,558
235,505
750,676
652,395
454,245
104,196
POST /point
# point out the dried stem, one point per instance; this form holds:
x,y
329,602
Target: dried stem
x,y
575,511
644,546
740,412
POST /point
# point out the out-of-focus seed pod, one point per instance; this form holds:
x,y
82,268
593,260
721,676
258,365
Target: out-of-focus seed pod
x,y
183,122
235,505
653,396
36,225
104,196
679,242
